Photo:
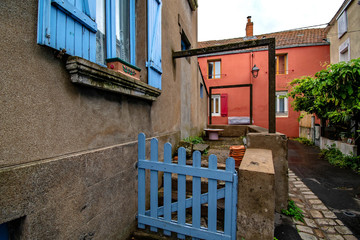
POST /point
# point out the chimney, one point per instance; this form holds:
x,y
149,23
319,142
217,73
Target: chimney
x,y
249,27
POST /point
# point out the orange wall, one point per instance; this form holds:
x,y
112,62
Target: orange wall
x,y
236,69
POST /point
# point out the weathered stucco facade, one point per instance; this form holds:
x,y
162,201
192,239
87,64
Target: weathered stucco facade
x,y
349,42
68,152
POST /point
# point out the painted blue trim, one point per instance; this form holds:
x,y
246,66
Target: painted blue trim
x,y
185,229
167,187
154,43
160,217
212,205
181,216
234,206
132,32
230,166
204,198
141,178
154,182
85,7
196,192
76,14
221,175
111,29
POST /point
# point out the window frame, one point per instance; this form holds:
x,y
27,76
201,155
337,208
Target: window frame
x,y
213,61
285,63
110,32
213,107
342,22
277,104
344,50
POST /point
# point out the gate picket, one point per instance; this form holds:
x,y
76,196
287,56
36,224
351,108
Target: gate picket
x,y
154,182
167,187
141,178
212,208
196,192
181,190
230,166
161,217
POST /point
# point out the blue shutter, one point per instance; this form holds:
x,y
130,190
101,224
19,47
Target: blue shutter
x,y
154,43
69,25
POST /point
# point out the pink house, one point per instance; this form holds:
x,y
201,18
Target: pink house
x,y
298,53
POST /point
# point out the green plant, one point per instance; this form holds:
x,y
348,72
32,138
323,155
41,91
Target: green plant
x,y
305,141
335,157
275,238
293,211
194,140
206,152
332,94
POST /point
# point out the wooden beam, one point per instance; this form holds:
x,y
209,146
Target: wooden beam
x,y
224,48
272,87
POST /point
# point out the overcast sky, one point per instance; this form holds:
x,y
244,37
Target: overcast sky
x,y
222,19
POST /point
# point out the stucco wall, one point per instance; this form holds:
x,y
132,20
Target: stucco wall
x,y
353,34
68,152
236,69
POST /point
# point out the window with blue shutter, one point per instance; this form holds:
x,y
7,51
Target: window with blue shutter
x,y
92,29
154,43
68,26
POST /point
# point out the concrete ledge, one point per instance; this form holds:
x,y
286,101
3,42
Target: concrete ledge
x,y
256,195
345,148
87,73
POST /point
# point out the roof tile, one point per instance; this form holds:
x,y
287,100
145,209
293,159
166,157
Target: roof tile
x,y
284,38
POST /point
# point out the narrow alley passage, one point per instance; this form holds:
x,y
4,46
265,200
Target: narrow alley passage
x,y
338,189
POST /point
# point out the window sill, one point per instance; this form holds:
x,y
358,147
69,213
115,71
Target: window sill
x,y
91,74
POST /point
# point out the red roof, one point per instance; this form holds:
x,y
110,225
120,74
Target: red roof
x,y
313,36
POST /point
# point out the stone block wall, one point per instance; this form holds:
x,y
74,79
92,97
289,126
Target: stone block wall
x,y
277,143
256,196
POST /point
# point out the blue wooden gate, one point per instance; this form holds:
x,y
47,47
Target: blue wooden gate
x,y
161,217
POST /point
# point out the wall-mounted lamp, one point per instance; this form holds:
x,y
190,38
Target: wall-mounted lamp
x,y
255,71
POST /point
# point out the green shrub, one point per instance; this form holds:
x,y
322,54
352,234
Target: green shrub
x,y
293,211
194,140
335,157
305,141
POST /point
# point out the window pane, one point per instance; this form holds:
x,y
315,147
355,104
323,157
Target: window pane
x,y
122,12
210,70
217,69
217,105
100,34
281,105
281,62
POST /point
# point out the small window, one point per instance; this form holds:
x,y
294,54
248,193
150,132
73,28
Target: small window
x,y
215,105
344,51
342,24
281,104
185,43
281,64
201,90
214,69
